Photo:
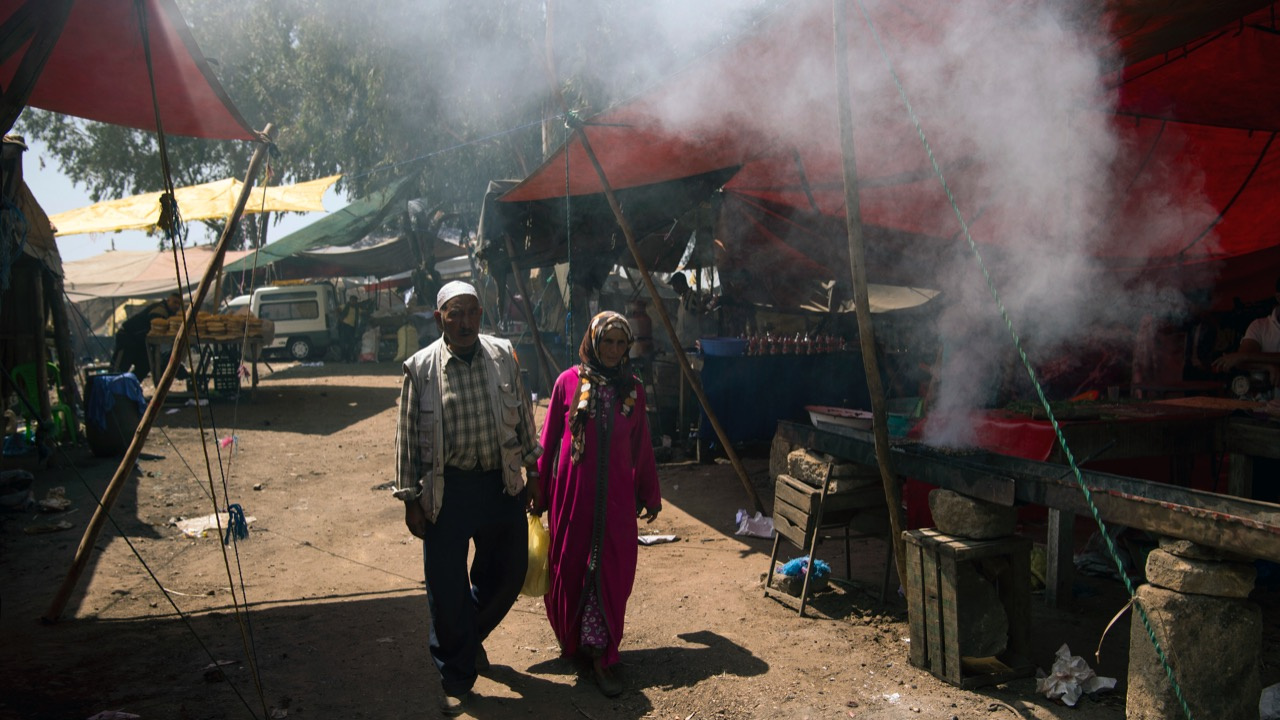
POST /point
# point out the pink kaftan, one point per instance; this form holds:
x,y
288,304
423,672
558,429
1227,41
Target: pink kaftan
x,y
569,491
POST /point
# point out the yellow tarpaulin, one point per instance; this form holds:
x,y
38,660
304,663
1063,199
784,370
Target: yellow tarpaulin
x,y
196,202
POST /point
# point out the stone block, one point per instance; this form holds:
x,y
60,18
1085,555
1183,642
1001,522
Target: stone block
x,y
1214,646
956,514
811,468
1200,577
778,456
1195,551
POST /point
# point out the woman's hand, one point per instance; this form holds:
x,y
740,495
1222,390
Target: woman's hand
x,y
648,514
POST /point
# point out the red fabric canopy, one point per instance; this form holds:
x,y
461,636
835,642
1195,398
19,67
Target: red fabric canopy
x,y
1192,110
98,70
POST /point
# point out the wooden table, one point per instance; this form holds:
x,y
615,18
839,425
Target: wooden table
x,y
244,349
1170,428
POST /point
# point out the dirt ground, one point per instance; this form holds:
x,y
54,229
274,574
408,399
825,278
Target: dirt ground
x,y
321,611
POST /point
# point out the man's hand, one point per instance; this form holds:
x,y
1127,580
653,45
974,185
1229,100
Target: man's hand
x,y
533,483
415,518
1226,362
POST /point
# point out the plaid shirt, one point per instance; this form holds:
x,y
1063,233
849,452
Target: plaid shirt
x,y
470,431
464,401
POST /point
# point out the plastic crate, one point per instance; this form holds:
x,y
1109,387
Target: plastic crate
x,y
226,374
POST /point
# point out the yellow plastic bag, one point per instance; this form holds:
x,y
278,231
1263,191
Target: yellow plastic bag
x,y
537,580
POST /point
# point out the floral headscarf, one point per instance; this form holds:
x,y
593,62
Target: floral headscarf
x,y
593,374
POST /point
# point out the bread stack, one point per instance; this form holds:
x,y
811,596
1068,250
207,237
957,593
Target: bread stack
x,y
159,326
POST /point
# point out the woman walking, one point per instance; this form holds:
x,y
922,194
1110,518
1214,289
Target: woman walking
x,y
599,475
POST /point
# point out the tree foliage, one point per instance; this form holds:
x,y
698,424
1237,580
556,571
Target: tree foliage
x,y
454,92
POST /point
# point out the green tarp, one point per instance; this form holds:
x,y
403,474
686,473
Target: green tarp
x,y
342,227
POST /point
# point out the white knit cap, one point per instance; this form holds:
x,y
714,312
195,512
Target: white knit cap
x,y
452,290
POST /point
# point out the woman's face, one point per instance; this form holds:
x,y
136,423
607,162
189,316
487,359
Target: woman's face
x,y
612,347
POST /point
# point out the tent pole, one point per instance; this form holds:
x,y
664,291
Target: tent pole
x,y
862,306
62,342
162,388
576,125
685,367
550,370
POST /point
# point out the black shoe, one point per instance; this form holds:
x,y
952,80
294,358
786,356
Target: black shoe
x,y
482,660
606,680
453,705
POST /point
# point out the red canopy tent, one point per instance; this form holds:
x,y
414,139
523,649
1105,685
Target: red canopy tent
x,y
97,67
1191,106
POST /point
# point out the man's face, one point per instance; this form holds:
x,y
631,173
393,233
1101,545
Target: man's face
x,y
459,322
174,302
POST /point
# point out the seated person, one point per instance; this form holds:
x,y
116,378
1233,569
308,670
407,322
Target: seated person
x,y
131,338
1260,346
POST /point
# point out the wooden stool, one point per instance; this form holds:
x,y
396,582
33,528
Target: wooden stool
x,y
934,605
801,511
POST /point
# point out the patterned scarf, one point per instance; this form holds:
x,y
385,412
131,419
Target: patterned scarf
x,y
593,375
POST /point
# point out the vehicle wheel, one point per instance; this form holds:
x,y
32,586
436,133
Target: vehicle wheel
x,y
299,348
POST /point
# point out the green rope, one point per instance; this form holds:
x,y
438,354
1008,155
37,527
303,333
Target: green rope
x,y
1026,363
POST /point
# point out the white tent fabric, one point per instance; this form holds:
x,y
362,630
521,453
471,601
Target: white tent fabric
x,y
138,273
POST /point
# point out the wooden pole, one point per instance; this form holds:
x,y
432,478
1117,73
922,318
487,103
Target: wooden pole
x,y
62,345
858,268
681,358
162,389
550,371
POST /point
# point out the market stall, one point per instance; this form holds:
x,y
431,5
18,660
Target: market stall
x,y
220,346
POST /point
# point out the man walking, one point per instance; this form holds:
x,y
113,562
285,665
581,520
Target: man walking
x,y
465,430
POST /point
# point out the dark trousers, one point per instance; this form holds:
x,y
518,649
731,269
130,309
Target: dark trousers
x,y
466,606
348,342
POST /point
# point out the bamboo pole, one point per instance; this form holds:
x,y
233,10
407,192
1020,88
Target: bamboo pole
x,y
858,268
682,359
547,364
162,389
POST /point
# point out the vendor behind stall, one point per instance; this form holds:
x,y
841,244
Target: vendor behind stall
x,y
1260,347
131,338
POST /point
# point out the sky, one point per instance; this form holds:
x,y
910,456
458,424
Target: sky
x,y
56,193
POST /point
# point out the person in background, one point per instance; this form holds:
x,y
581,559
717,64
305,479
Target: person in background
x,y
599,476
688,318
465,429
348,324
131,337
1260,346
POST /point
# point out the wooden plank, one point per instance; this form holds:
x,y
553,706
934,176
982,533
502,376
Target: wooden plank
x,y
1059,557
794,532
1149,437
932,612
1016,593
1252,437
949,612
795,493
1239,475
915,604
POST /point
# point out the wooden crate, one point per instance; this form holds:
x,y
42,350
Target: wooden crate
x,y
932,559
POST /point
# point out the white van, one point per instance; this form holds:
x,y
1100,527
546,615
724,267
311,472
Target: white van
x,y
305,317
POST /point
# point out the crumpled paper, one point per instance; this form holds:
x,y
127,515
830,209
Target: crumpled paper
x,y
1071,677
199,527
755,526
